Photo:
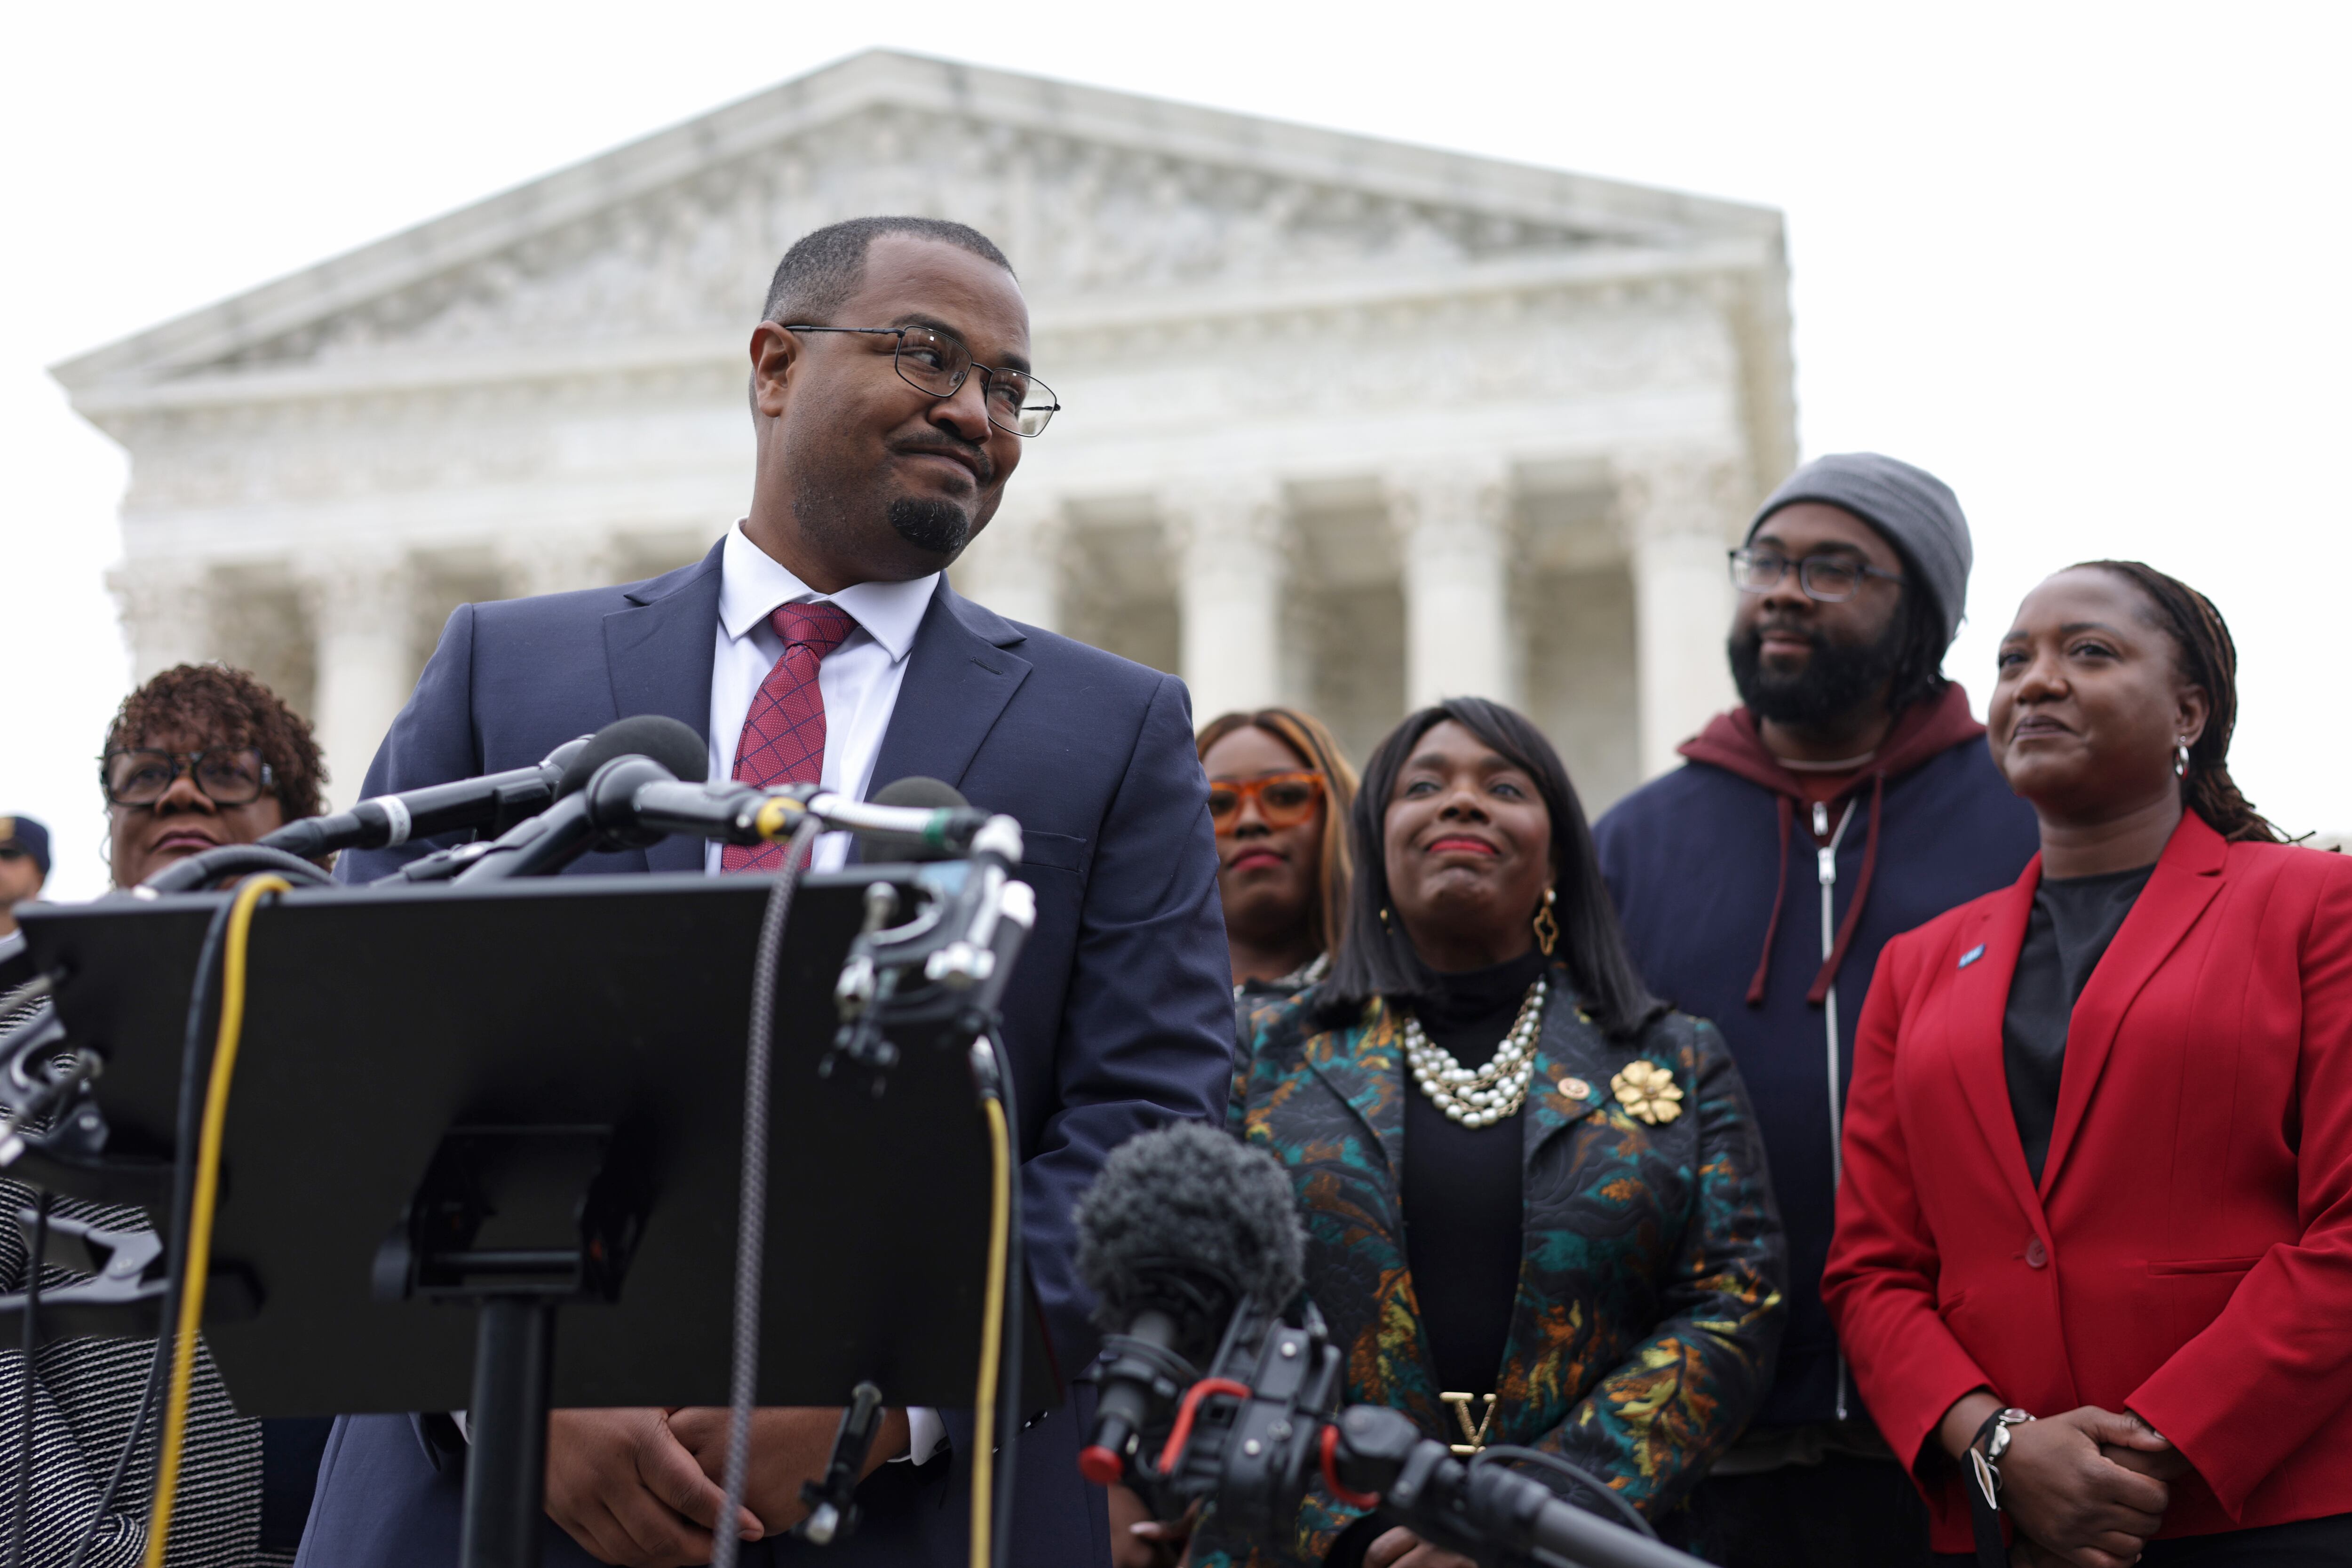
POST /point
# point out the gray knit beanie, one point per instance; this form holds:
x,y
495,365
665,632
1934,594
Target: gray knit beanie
x,y
1910,506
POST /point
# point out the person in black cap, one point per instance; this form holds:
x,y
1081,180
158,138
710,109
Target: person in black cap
x,y
24,865
1848,798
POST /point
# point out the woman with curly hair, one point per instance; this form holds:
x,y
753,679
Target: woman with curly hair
x,y
201,756
1535,1206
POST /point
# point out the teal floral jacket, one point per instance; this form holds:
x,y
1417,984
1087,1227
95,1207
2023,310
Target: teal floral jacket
x,y
1649,1308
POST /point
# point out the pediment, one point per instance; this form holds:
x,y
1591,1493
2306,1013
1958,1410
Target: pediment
x,y
1094,195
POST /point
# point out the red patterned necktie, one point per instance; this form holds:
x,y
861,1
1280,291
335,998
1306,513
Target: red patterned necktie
x,y
783,735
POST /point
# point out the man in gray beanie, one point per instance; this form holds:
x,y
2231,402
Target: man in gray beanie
x,y
1849,797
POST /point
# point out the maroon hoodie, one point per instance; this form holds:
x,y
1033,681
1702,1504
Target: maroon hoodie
x,y
1731,742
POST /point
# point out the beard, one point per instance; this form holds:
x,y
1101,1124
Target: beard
x,y
929,522
1836,677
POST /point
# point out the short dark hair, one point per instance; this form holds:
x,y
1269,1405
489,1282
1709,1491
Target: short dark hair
x,y
212,704
1376,959
2206,657
825,266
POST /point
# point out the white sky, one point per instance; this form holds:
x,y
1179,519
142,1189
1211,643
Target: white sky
x,y
2086,262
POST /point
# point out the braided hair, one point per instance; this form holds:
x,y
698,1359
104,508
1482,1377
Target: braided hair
x,y
2207,657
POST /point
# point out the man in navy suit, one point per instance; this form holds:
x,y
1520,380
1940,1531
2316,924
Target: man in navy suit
x,y
819,639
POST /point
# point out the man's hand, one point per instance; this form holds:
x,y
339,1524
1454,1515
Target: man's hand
x,y
2087,1510
623,1486
1403,1548
789,1445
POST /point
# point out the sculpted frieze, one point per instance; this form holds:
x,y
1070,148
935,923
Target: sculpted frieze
x,y
1079,218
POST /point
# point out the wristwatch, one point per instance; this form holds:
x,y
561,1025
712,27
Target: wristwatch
x,y
1990,1444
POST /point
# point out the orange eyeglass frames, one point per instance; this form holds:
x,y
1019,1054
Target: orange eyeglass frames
x,y
1283,800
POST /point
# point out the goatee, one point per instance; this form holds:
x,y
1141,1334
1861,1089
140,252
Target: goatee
x,y
928,523
1837,676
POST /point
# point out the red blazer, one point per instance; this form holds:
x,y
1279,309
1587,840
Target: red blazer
x,y
2188,1252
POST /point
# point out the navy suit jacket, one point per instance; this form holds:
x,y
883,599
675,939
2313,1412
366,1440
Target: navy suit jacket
x,y
1119,1016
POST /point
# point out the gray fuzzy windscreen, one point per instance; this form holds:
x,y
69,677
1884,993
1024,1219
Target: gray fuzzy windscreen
x,y
1187,1199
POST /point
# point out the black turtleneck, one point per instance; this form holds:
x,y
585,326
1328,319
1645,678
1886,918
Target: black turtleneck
x,y
1462,1185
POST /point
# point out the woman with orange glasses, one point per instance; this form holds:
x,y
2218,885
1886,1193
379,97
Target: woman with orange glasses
x,y
1278,798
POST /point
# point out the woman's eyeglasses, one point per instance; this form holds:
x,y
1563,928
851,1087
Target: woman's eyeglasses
x,y
1283,800
228,775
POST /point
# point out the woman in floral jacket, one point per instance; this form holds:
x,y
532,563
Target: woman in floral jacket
x,y
1537,1210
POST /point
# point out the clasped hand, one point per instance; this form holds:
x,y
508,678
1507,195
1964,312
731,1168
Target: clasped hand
x,y
643,1488
2087,1487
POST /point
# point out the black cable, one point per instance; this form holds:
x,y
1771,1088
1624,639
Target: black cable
x,y
201,870
147,1402
751,1228
1577,1473
21,1512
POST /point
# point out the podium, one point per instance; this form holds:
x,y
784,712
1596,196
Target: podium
x,y
533,1092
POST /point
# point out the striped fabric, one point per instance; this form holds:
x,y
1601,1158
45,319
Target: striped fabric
x,y
85,1397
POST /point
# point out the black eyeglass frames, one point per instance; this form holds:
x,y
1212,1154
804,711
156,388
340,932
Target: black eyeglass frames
x,y
930,361
140,776
1827,579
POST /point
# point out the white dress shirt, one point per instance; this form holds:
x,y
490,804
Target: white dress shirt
x,y
860,681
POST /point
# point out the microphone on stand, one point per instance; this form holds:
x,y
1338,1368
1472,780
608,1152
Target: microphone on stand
x,y
385,820
653,744
1183,1226
876,847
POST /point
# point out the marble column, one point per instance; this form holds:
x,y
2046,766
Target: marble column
x,y
534,563
1226,540
167,618
359,603
1681,512
1453,555
1015,567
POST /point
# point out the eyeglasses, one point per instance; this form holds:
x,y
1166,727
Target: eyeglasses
x,y
1826,578
228,775
1283,800
933,362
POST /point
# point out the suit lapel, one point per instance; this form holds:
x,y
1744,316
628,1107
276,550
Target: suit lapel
x,y
1364,1066
658,652
962,673
1978,992
2185,881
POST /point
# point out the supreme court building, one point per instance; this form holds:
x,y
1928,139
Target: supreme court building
x,y
1348,423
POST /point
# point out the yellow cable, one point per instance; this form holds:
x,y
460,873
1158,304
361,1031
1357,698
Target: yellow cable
x,y
200,1213
991,1343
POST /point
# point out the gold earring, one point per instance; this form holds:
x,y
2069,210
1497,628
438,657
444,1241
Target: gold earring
x,y
1546,928
1384,918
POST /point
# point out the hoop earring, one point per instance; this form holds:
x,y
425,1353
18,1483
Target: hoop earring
x,y
2180,761
1546,928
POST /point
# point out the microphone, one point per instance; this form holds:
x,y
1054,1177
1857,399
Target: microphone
x,y
876,847
562,833
1182,1228
385,820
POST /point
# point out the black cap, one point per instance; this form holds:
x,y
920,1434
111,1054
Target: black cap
x,y
26,836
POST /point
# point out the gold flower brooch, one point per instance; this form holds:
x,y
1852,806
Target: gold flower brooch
x,y
1648,1092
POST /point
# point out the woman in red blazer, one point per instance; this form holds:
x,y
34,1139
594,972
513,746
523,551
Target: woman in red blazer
x,y
2093,1250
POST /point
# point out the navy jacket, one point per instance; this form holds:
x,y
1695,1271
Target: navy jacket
x,y
1119,1016
1692,859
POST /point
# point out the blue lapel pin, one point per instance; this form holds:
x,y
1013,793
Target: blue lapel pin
x,y
1972,955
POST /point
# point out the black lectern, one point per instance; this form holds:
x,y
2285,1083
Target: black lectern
x,y
527,1097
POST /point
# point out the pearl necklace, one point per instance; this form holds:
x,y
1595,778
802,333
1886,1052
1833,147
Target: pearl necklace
x,y
1497,1090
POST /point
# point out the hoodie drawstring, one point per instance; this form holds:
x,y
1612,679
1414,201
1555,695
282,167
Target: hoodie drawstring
x,y
1827,976
1779,892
